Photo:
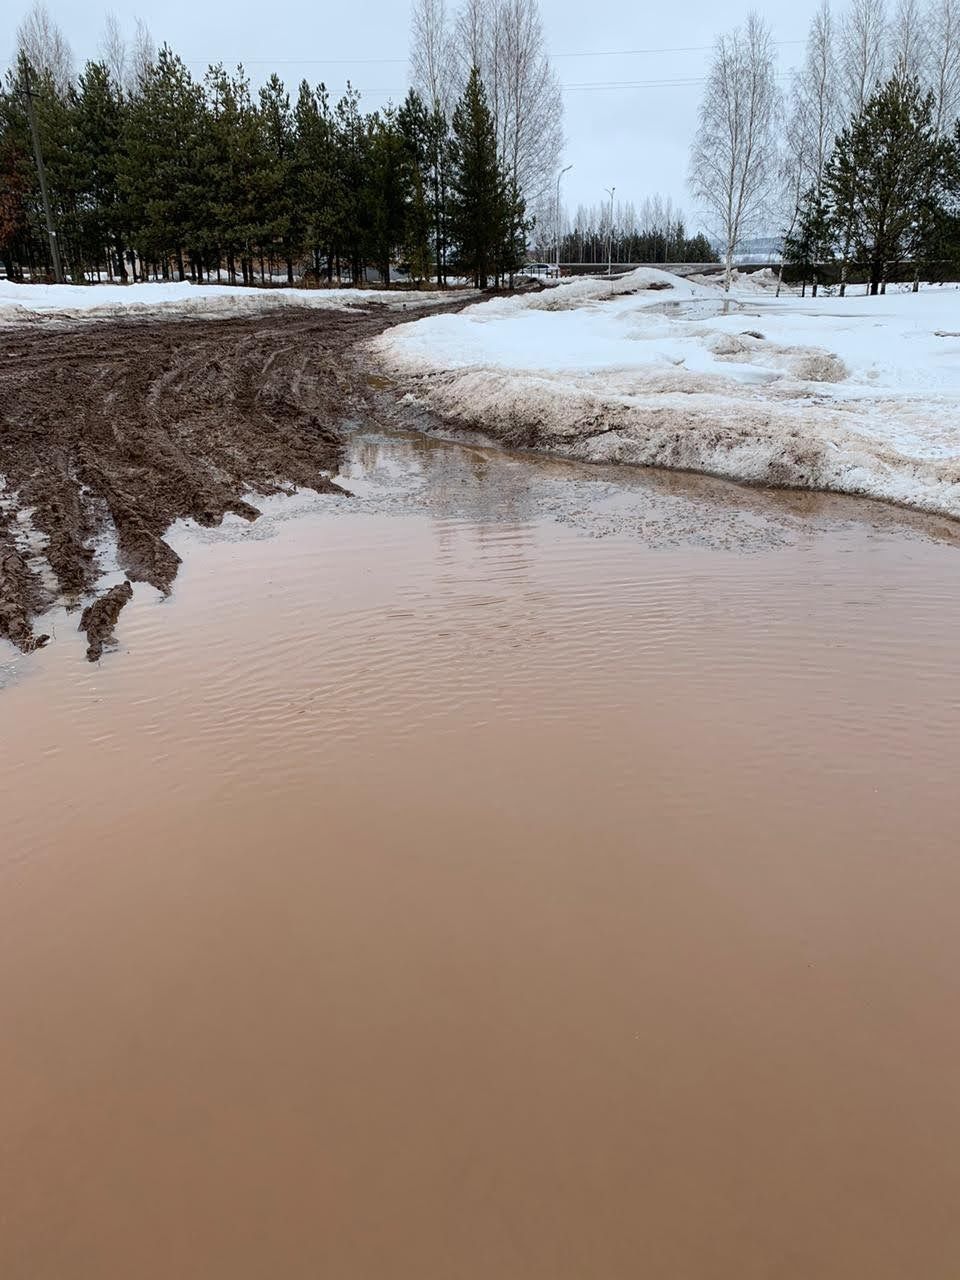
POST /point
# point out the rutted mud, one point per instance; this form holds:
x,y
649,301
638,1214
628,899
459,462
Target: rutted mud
x,y
117,431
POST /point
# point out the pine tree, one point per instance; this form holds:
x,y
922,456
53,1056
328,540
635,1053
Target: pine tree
x,y
18,186
810,245
886,179
315,179
479,213
353,223
413,120
283,224
514,228
164,170
385,194
100,125
14,189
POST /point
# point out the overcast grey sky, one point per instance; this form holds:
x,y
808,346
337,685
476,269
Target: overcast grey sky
x,y
634,138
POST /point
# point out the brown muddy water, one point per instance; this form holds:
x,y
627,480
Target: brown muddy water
x,y
517,871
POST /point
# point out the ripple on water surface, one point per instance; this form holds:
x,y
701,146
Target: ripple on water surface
x,y
521,848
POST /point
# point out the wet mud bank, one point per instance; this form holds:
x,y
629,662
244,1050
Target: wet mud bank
x,y
761,450
109,433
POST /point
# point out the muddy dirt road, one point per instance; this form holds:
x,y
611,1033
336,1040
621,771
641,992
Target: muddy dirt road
x,y
116,431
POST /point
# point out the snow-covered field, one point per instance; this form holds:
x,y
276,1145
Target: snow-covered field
x,y
859,395
22,303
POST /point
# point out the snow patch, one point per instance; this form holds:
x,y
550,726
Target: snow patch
x,y
25,303
856,395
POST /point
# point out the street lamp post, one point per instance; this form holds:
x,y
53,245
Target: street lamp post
x,y
610,191
559,176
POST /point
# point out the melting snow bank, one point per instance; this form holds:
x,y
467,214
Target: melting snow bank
x,y
858,395
26,303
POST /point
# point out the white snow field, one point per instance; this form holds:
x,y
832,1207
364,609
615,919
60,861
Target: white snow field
x,y
23,303
859,395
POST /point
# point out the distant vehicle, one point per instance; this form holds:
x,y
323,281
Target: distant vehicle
x,y
539,269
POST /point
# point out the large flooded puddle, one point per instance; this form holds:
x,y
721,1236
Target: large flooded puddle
x,y
518,871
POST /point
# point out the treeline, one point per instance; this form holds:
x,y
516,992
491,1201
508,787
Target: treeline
x,y
592,243
856,163
888,196
656,232
157,173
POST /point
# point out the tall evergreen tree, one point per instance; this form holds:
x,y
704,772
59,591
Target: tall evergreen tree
x,y
164,172
414,123
387,178
283,224
887,177
479,213
100,116
315,174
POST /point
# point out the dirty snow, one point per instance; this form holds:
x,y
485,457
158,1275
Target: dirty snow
x,y
22,303
859,395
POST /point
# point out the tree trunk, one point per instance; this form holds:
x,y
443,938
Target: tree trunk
x,y
728,270
289,271
181,273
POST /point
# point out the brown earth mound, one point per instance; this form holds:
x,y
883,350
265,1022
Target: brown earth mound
x,y
126,427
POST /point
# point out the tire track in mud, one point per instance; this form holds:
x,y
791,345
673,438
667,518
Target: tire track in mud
x,y
118,429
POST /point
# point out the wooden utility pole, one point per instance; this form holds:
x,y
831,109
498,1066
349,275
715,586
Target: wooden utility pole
x,y
28,97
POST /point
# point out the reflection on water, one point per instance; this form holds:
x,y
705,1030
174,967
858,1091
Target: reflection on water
x,y
499,873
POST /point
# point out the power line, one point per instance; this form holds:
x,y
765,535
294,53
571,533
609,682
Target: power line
x,y
576,87
584,86
687,48
384,62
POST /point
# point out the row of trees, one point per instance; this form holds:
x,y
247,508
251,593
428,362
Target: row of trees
x,y
888,196
150,170
598,234
857,161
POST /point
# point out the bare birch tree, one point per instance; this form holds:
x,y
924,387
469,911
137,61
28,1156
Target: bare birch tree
x,y
908,44
820,92
796,165
432,62
528,104
472,38
943,62
863,39
45,46
733,162
812,122
505,40
113,50
142,57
